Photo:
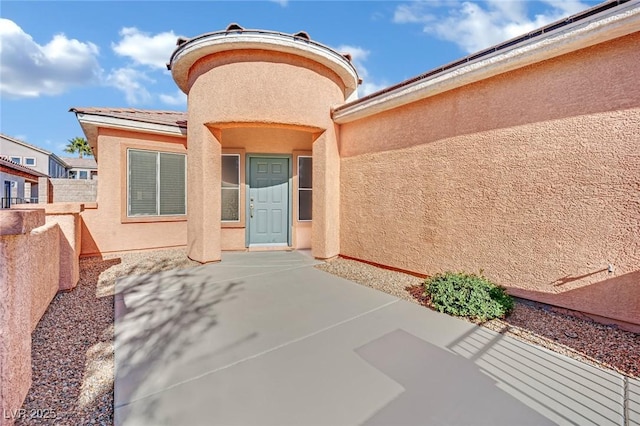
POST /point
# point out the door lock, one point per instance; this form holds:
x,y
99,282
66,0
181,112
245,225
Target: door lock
x,y
251,209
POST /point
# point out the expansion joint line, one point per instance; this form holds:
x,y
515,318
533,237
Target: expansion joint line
x,y
259,354
625,400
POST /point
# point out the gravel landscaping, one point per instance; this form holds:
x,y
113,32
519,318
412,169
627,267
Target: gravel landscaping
x,y
72,346
72,352
579,338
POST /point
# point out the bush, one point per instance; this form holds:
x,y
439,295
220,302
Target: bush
x,y
468,295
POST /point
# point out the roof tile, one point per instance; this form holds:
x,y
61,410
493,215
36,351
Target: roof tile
x,y
5,161
172,118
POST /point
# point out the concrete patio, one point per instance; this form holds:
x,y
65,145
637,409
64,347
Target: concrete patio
x,y
266,339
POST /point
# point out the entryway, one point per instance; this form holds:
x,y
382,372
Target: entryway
x,y
268,204
267,339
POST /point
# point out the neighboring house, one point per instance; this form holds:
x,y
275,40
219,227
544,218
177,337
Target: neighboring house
x,y
81,168
520,160
33,157
19,183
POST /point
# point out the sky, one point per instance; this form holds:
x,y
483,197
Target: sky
x,y
55,55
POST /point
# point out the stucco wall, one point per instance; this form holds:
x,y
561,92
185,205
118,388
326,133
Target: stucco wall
x,y
74,190
29,279
67,217
105,227
261,89
532,176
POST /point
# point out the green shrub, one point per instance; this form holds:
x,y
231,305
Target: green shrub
x,y
468,295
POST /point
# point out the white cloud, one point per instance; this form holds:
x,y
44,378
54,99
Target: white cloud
x,y
176,99
145,49
411,13
474,26
359,56
282,3
130,82
28,69
149,54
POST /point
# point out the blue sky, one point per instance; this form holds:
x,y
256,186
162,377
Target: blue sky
x,y
56,55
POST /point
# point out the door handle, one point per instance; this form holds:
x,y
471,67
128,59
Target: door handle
x,y
251,209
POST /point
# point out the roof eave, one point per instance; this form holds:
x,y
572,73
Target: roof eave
x,y
618,23
98,120
91,122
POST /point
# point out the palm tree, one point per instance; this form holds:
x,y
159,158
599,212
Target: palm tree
x,y
79,145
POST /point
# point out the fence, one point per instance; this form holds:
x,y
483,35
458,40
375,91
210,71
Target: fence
x,y
6,203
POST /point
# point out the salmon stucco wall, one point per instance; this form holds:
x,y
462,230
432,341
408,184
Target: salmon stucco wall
x,y
29,279
67,217
257,89
105,227
532,176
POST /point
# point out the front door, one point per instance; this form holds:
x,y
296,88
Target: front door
x,y
268,200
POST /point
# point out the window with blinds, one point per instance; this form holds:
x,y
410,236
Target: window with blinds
x,y
305,191
156,183
230,188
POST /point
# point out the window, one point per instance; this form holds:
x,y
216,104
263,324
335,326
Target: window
x,y
29,161
82,174
17,160
156,183
56,170
230,188
305,166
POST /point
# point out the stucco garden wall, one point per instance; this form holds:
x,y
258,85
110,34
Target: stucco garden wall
x,y
29,278
67,217
532,176
105,227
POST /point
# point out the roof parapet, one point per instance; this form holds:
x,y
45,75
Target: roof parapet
x,y
238,38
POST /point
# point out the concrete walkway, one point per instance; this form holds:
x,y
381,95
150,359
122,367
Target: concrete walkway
x,y
266,339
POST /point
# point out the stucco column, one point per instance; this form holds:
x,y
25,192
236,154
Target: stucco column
x,y
326,196
203,194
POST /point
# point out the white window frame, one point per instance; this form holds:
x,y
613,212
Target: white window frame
x,y
303,189
25,159
13,159
129,215
238,189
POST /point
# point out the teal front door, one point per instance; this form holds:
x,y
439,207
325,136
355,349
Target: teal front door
x,y
268,200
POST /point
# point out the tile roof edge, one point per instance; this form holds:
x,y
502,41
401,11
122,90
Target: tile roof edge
x,y
101,113
6,161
